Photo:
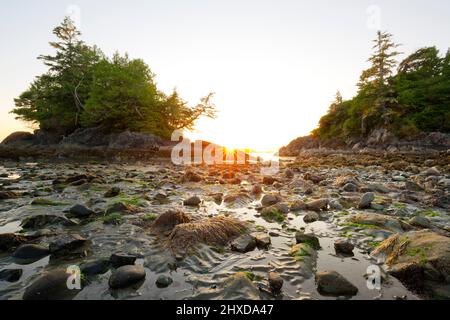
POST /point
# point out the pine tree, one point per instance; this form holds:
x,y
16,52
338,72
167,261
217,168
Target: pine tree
x,y
374,81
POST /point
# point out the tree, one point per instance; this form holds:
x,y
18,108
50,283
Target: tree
x,y
84,88
374,81
56,99
124,96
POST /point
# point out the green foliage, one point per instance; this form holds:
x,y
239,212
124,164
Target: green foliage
x,y
413,100
83,88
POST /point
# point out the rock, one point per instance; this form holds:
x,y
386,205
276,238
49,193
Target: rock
x,y
344,247
50,286
420,222
306,256
6,195
416,257
239,287
168,220
374,220
80,211
312,177
376,188
318,205
275,282
270,200
350,187
65,244
411,186
289,173
366,200
398,178
126,276
121,207
91,268
163,281
268,181
244,243
31,252
298,205
19,138
120,259
334,204
333,284
10,275
10,241
311,217
39,221
191,176
113,192
161,196
432,172
308,238
257,189
263,240
134,141
193,201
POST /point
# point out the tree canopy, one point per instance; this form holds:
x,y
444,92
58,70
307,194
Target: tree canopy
x,y
84,88
408,98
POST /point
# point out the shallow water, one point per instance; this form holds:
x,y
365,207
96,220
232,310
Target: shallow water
x,y
196,274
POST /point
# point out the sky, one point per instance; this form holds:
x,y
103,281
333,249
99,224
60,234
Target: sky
x,y
275,66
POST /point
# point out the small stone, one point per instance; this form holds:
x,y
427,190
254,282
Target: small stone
x,y
113,192
411,186
275,282
262,240
311,217
269,180
193,201
333,284
244,243
120,259
318,205
50,286
10,275
307,238
80,211
344,247
43,220
126,276
95,267
289,173
398,178
432,172
257,189
298,205
420,222
350,187
366,200
163,281
31,252
66,244
270,200
6,195
10,241
335,205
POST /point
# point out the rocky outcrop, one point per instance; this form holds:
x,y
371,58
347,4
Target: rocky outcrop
x,y
378,139
417,258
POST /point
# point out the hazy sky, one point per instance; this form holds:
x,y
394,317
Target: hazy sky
x,y
274,65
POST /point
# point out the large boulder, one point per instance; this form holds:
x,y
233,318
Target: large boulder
x,y
331,283
50,286
18,139
417,257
